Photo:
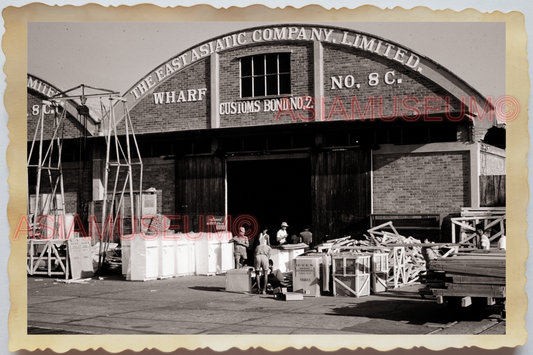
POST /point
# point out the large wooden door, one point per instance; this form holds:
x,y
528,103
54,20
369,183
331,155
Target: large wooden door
x,y
341,192
200,190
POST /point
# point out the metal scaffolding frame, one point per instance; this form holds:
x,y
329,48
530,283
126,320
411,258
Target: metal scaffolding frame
x,y
123,159
50,159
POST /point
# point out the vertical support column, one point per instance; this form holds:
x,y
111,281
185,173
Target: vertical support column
x,y
475,172
39,171
225,162
371,181
318,76
98,173
214,87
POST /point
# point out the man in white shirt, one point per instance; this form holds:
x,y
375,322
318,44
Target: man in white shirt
x,y
282,235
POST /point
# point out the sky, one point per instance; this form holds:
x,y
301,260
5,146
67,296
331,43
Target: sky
x,y
115,55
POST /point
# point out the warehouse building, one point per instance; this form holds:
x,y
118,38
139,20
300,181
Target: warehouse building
x,y
304,124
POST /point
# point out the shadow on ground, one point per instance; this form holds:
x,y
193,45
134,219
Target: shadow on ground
x,y
207,288
412,312
38,330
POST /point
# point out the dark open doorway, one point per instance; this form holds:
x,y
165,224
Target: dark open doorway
x,y
273,191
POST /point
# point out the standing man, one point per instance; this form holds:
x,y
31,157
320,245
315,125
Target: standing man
x,y
264,238
241,244
262,255
282,235
307,237
296,239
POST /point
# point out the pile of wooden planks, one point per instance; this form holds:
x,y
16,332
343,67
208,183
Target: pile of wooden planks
x,y
467,275
406,254
414,262
406,260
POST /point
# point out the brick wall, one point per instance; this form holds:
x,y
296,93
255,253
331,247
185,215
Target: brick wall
x,y
492,164
70,128
421,183
148,117
339,61
76,180
301,82
388,99
157,173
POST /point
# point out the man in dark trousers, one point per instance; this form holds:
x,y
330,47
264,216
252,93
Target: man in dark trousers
x,y
307,237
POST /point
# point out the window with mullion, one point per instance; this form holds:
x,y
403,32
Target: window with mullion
x,y
266,75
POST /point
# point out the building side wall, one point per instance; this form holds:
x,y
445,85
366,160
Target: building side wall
x,y
158,174
492,164
161,176
76,182
421,183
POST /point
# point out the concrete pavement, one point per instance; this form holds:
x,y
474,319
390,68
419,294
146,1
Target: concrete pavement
x,y
200,305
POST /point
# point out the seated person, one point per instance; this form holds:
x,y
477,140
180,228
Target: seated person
x,y
275,277
483,241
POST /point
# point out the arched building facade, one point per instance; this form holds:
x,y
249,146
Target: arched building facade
x,y
307,124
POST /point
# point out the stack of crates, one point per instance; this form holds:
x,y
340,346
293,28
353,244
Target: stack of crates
x,y
351,275
380,271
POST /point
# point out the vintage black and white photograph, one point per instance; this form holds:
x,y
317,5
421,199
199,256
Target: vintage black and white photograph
x,y
270,178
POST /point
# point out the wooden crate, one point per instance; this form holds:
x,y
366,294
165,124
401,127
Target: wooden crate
x,y
380,262
167,267
46,251
144,259
307,275
351,286
239,280
181,261
380,271
351,275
